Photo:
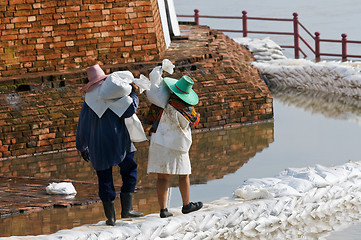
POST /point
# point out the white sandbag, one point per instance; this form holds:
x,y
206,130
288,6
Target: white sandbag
x,y
168,66
154,230
135,129
155,76
250,192
278,207
159,93
265,54
329,175
66,188
143,83
300,185
117,85
277,56
262,58
262,182
173,226
280,190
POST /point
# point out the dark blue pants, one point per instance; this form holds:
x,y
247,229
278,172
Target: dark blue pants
x,y
128,171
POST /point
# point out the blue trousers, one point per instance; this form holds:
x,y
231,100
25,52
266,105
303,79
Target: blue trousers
x,y
128,171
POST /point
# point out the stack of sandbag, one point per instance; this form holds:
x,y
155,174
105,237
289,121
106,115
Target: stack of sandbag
x,y
262,49
311,202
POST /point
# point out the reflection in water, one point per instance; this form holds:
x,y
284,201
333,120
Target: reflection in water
x,y
330,105
59,165
214,154
218,153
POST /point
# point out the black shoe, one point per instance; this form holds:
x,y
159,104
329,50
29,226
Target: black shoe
x,y
126,200
191,207
164,213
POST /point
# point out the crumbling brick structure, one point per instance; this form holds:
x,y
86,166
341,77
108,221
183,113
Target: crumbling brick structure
x,y
45,47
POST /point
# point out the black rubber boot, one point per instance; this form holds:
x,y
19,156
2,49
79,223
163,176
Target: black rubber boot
x,y
109,213
126,199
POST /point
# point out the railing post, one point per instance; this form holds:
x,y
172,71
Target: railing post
x,y
196,16
244,23
317,47
344,47
296,35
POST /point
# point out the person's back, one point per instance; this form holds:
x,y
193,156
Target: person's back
x,y
103,137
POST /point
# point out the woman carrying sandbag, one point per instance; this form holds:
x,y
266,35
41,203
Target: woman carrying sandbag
x,y
171,140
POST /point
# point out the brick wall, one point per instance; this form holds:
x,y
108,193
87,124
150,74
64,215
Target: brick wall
x,y
42,36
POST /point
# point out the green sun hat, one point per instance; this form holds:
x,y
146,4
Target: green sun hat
x,y
183,89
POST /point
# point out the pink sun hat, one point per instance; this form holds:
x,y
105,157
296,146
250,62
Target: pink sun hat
x,y
96,76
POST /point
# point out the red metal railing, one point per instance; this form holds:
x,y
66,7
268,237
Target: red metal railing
x,y
296,35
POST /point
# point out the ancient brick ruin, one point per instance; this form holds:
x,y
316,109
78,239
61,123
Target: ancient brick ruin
x,y
45,48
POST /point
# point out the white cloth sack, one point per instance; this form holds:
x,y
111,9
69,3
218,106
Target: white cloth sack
x,y
250,192
113,93
143,83
159,93
168,66
99,105
173,130
116,85
135,129
66,188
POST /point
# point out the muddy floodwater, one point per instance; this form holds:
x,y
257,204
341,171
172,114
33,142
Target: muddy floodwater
x,y
309,128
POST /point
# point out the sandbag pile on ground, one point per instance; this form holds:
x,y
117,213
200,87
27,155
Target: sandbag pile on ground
x,y
307,202
262,49
327,76
316,200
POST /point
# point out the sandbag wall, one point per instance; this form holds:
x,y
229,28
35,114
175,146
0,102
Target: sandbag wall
x,y
310,202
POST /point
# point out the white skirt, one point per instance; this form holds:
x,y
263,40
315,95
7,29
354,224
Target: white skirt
x,y
168,161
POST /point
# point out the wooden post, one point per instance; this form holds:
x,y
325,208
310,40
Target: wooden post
x,y
244,23
196,16
344,47
296,35
317,47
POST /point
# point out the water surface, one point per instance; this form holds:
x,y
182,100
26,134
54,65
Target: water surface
x,y
329,17
308,129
